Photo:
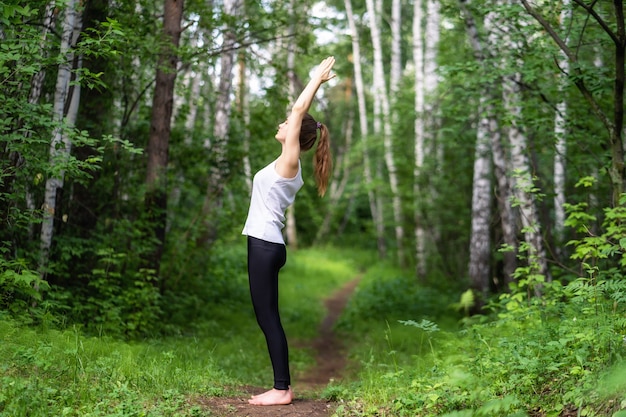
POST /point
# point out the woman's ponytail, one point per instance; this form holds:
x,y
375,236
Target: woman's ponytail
x,y
322,160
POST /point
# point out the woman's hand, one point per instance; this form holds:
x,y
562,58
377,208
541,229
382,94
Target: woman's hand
x,y
323,70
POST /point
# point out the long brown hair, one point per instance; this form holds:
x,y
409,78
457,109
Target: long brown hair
x,y
322,160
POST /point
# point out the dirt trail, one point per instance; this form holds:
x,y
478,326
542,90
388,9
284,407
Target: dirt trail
x,y
331,361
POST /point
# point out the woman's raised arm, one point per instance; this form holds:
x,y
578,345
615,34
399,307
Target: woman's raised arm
x,y
287,163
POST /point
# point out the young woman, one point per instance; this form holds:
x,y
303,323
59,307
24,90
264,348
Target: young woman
x,y
274,189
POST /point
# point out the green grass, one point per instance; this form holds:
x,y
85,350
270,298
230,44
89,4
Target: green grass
x,y
67,373
412,352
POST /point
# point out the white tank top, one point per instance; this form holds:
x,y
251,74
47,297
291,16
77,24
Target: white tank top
x,y
271,195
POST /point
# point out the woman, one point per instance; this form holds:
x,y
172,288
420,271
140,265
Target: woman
x,y
274,189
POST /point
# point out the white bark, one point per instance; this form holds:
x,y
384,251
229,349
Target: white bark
x,y
480,240
60,144
214,194
383,120
193,81
341,167
36,86
560,136
431,79
396,51
420,133
244,110
364,130
37,81
488,125
520,164
227,63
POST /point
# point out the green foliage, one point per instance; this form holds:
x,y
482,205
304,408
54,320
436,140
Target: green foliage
x,y
203,286
26,129
20,288
603,250
387,294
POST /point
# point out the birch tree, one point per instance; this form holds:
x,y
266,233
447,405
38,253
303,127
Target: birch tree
x,y
425,44
524,191
34,95
373,198
431,79
560,132
488,127
243,107
341,166
396,50
382,122
420,132
219,169
47,26
65,95
480,239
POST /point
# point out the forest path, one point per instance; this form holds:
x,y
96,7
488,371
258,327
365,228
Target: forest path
x,y
330,362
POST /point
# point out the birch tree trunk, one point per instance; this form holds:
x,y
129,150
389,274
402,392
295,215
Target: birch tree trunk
x,y
60,145
193,80
431,82
160,128
219,169
426,41
394,85
33,98
382,124
420,132
489,126
430,118
480,237
364,130
244,109
37,81
396,50
560,135
341,167
520,164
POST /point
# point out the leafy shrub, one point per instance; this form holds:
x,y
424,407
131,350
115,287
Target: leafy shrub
x,y
203,282
382,298
20,288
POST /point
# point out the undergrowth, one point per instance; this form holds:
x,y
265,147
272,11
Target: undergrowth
x,y
47,371
546,348
539,357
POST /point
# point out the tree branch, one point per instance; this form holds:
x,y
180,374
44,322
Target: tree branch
x,y
578,80
601,22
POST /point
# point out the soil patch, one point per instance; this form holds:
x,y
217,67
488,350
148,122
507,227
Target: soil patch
x,y
330,363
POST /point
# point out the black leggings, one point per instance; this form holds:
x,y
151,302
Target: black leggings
x,y
264,261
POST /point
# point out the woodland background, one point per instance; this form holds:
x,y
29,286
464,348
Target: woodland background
x,y
478,147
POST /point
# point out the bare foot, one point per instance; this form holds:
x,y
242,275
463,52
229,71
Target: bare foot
x,y
273,397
